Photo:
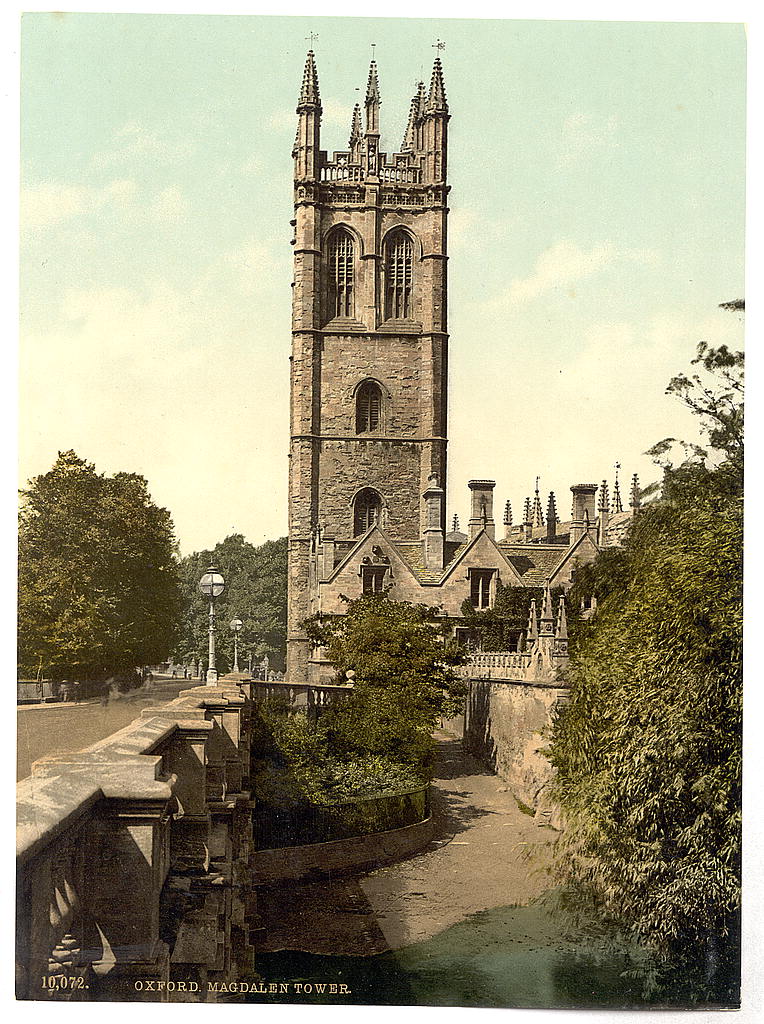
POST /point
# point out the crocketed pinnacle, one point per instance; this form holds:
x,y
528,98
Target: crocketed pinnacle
x,y
508,513
604,504
537,514
527,511
551,510
436,98
636,499
409,138
309,94
617,501
533,629
562,621
355,127
372,87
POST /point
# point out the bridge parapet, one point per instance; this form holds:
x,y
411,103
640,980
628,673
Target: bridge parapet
x,y
133,857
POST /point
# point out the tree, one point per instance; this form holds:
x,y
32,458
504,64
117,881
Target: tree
x,y
98,579
404,681
255,593
648,751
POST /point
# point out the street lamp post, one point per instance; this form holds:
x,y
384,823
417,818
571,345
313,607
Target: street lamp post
x,y
236,625
212,585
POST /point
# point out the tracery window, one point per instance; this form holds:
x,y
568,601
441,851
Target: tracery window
x,y
368,407
341,275
368,506
399,276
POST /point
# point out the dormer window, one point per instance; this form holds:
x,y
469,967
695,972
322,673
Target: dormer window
x,y
480,587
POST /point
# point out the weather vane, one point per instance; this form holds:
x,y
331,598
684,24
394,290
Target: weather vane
x,y
439,45
373,51
313,36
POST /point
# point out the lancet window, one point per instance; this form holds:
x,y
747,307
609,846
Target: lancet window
x,y
399,276
368,407
368,506
341,275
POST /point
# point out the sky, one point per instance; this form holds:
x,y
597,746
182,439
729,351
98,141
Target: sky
x,y
597,221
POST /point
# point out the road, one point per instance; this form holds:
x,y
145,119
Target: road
x,y
61,728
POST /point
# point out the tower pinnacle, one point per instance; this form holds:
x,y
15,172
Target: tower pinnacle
x,y
309,94
436,98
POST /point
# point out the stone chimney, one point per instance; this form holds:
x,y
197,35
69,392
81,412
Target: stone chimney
x,y
481,508
432,535
583,510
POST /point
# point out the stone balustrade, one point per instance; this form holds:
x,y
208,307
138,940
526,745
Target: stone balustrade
x,y
133,857
312,697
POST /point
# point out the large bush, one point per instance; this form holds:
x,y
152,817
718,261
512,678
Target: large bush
x,y
648,751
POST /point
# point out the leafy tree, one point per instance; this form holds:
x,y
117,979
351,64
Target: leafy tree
x,y
98,577
648,751
255,592
404,679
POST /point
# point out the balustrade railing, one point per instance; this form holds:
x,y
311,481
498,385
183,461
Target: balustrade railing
x,y
312,697
132,856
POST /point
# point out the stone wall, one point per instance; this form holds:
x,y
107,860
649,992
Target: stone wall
x,y
343,856
133,856
506,727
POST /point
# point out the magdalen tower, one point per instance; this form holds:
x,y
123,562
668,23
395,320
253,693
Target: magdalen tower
x,y
369,357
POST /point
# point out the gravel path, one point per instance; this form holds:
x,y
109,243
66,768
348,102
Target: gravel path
x,y
486,853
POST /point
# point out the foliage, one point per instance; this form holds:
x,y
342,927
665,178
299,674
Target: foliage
x,y
98,578
498,628
404,680
648,751
295,764
255,592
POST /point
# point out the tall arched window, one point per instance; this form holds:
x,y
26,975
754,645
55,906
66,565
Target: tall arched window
x,y
368,407
341,269
368,506
398,276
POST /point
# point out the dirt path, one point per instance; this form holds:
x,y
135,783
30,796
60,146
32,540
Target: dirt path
x,y
486,853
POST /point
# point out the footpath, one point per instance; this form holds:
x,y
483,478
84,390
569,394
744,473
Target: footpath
x,y
486,853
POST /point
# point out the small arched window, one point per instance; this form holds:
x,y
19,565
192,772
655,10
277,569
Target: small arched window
x,y
341,275
399,276
368,407
368,506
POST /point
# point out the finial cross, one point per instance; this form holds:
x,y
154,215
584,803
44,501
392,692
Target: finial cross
x,y
439,45
312,37
373,51
537,483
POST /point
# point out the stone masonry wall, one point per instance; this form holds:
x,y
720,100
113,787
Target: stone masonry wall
x,y
506,726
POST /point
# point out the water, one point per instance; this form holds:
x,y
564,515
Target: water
x,y
504,957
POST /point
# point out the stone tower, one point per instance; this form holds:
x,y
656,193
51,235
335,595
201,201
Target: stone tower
x,y
369,337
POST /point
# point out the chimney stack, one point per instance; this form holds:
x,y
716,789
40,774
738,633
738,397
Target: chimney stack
x,y
481,508
583,510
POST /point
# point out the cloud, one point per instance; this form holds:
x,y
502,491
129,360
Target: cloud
x,y
170,206
583,134
564,264
134,141
51,203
